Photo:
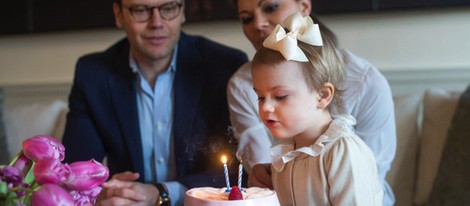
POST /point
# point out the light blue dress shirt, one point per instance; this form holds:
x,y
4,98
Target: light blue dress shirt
x,y
155,110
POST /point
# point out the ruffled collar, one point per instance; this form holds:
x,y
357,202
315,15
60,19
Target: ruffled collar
x,y
284,152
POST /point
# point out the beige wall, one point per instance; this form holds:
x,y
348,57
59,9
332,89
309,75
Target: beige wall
x,y
394,41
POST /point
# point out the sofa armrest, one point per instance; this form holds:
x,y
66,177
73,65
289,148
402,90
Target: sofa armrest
x,y
38,118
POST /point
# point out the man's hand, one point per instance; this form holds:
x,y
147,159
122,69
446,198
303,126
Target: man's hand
x,y
261,176
122,189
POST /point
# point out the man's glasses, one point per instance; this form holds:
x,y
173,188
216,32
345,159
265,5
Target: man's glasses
x,y
142,13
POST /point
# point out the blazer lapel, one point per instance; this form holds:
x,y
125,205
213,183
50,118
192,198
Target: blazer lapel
x,y
123,91
188,85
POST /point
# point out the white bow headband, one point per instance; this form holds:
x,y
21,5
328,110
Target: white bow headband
x,y
298,28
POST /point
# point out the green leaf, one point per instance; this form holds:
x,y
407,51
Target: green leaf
x,y
11,199
3,189
29,177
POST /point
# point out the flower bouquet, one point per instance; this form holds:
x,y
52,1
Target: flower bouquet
x,y
36,176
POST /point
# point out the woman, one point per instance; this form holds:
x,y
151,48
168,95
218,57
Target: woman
x,y
367,97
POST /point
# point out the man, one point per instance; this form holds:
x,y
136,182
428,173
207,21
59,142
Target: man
x,y
154,104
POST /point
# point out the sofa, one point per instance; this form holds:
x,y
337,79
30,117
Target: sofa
x,y
422,124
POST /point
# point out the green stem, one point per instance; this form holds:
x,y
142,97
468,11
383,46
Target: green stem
x,y
16,158
25,199
16,189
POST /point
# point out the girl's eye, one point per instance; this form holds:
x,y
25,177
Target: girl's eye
x,y
281,97
260,99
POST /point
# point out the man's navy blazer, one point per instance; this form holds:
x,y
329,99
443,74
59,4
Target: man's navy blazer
x,y
103,118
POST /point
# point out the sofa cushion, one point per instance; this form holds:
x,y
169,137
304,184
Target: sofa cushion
x,y
402,173
438,108
26,120
452,184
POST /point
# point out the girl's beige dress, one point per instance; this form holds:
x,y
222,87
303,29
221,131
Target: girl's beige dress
x,y
338,169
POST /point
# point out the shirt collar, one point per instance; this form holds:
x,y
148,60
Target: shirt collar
x,y
341,126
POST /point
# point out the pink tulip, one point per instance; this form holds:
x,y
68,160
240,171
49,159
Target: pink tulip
x,y
50,194
50,170
85,198
40,147
86,175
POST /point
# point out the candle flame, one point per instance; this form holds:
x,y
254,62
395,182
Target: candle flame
x,y
224,159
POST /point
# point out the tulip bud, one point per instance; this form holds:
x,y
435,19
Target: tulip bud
x,y
40,147
50,194
86,175
50,171
12,175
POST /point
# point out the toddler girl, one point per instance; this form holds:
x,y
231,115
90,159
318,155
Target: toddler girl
x,y
320,160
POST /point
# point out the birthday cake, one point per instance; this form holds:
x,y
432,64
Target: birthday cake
x,y
209,196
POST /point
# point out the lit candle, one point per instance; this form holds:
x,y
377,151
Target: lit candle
x,y
240,173
224,160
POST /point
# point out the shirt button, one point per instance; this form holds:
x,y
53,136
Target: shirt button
x,y
161,161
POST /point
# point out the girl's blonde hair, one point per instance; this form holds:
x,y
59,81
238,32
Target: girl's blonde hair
x,y
324,65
